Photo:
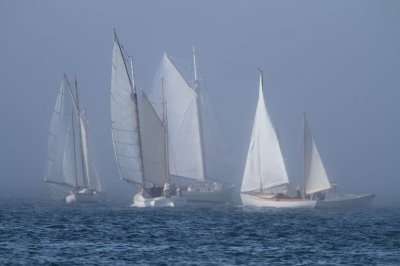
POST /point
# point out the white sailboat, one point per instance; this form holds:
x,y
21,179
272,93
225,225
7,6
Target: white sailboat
x,y
265,178
185,133
316,182
136,165
69,164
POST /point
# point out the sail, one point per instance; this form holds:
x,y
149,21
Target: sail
x,y
72,161
218,153
93,179
185,153
152,132
124,119
265,167
58,135
315,176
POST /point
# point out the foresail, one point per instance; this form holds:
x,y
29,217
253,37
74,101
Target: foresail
x,y
185,157
58,132
152,132
265,167
124,122
93,178
316,179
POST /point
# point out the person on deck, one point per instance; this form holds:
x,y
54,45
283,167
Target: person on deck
x,y
167,190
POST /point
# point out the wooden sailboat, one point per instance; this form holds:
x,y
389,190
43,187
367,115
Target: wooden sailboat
x,y
138,166
69,164
316,182
265,178
187,148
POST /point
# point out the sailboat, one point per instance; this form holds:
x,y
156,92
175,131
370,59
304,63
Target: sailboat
x,y
316,182
265,178
138,166
185,133
69,165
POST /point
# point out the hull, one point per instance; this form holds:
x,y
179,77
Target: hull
x,y
144,202
347,201
82,198
220,196
270,202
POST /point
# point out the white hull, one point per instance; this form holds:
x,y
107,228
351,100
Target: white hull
x,y
221,196
82,198
142,202
347,201
269,202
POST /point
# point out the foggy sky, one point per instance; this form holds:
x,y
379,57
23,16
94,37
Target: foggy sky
x,y
338,61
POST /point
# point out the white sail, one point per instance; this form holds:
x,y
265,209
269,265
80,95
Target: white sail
x,y
185,153
93,179
72,162
315,176
124,119
265,167
152,132
59,127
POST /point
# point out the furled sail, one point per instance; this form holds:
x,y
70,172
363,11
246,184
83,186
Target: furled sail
x,y
60,125
152,132
185,151
315,176
124,119
265,167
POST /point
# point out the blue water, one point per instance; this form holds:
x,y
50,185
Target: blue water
x,y
44,232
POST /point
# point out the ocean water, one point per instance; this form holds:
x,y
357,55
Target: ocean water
x,y
48,232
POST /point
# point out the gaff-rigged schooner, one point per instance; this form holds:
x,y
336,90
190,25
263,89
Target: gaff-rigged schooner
x,y
69,164
138,164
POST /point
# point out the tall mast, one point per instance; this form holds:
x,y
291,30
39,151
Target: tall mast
x,y
304,153
165,122
133,85
259,156
73,140
78,114
199,117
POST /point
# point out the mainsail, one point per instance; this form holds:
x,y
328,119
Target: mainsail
x,y
60,125
315,176
125,119
184,140
265,167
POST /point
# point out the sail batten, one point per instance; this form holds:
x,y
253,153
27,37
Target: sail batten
x,y
315,177
265,167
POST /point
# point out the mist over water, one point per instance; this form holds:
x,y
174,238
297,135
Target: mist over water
x,y
338,61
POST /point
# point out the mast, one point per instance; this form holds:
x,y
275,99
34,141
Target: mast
x,y
304,153
259,155
199,117
73,140
78,111
165,122
137,117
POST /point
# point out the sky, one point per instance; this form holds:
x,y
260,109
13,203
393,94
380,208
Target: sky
x,y
338,61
